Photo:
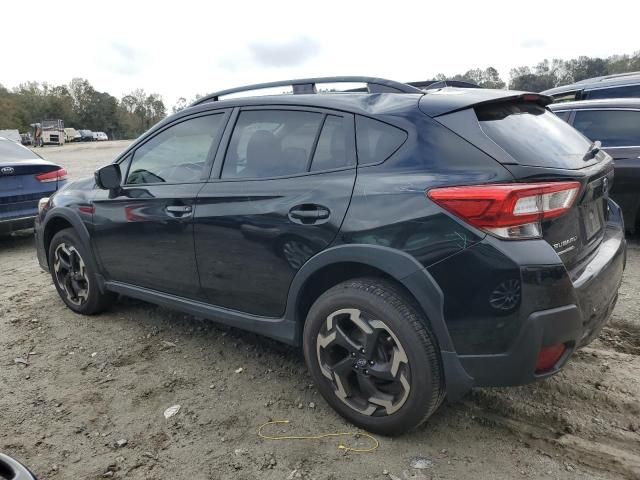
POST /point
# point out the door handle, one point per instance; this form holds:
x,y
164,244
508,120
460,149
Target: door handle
x,y
308,214
179,210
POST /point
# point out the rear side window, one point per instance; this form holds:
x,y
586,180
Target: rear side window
x,y
271,143
532,135
376,140
614,128
614,92
333,150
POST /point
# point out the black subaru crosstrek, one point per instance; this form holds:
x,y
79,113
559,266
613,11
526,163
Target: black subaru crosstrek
x,y
415,244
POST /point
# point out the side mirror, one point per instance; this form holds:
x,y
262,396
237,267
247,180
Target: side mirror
x,y
108,177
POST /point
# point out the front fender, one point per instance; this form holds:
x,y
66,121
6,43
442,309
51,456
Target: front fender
x,y
70,216
46,228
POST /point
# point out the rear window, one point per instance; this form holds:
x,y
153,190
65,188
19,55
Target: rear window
x,y
626,91
614,128
10,150
533,136
565,97
376,140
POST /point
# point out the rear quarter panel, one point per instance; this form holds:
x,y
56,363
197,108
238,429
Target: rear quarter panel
x,y
389,206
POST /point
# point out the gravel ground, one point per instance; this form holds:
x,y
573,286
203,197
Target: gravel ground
x,y
90,402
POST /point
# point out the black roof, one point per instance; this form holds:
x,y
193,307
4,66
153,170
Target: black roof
x,y
604,103
618,79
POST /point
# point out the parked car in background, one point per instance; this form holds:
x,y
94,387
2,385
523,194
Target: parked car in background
x,y
622,85
26,138
86,135
615,123
13,135
72,135
24,179
100,136
415,244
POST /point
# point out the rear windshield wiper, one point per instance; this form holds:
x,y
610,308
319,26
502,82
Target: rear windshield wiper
x,y
593,150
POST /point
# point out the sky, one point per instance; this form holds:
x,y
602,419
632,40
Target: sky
x,y
180,49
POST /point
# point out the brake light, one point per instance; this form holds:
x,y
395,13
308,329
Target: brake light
x,y
510,211
53,176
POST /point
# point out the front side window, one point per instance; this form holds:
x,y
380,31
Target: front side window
x,y
271,143
178,154
626,91
614,128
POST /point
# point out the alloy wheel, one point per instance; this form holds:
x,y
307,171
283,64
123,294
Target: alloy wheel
x,y
71,273
364,360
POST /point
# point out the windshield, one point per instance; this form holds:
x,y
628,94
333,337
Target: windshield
x,y
534,136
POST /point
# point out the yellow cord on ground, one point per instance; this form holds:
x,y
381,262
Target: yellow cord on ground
x,y
374,441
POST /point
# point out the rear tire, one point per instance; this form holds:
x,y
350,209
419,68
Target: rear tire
x,y
74,274
372,356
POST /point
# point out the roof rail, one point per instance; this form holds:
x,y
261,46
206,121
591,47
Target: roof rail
x,y
308,85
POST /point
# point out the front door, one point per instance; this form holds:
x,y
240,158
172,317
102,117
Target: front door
x,y
144,233
279,198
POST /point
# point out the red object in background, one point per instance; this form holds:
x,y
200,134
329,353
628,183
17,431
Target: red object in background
x,y
54,176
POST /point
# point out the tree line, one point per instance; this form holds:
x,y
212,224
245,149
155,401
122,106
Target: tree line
x,y
550,73
81,106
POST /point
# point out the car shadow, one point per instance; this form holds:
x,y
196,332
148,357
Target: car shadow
x,y
16,239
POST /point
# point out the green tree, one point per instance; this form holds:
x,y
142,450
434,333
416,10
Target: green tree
x,y
553,73
487,78
139,111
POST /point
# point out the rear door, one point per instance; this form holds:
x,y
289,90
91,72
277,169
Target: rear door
x,y
277,197
144,232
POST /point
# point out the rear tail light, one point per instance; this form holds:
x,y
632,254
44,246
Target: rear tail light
x,y
510,211
549,356
53,176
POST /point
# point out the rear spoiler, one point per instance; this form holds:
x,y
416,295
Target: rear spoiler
x,y
448,100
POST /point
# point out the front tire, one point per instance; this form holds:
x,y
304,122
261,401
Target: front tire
x,y
372,356
74,274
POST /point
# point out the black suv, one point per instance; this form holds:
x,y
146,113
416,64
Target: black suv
x,y
615,123
414,244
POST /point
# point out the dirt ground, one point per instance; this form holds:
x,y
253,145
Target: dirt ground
x,y
90,402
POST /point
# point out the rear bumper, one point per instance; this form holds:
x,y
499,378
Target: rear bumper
x,y
590,298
